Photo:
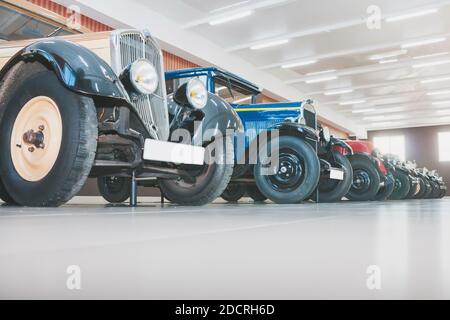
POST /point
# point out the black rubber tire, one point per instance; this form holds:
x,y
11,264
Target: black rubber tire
x,y
422,191
79,140
386,191
413,191
429,189
117,190
335,192
436,190
4,195
213,181
309,179
254,193
402,185
443,194
362,164
234,192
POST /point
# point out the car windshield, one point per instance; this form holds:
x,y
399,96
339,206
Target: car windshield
x,y
15,25
233,91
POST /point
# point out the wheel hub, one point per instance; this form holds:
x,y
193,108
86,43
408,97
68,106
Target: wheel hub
x,y
361,180
36,138
290,172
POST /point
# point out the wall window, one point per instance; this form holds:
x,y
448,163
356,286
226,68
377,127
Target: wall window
x,y
394,145
444,146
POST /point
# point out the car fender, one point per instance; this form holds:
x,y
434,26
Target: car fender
x,y
79,69
296,129
218,117
341,146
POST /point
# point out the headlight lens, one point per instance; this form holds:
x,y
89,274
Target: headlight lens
x,y
144,77
326,135
196,93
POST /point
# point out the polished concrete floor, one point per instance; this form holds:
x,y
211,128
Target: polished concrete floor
x,y
226,251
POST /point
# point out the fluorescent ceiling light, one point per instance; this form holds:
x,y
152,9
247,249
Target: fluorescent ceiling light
x,y
439,103
412,15
230,6
242,100
348,103
437,93
423,43
269,44
442,79
231,18
323,79
431,55
388,61
430,64
363,110
386,55
298,64
374,118
320,72
446,111
336,92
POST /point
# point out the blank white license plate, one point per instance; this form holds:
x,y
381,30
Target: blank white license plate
x,y
336,174
163,151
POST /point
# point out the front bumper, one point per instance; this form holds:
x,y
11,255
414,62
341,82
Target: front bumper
x,y
155,150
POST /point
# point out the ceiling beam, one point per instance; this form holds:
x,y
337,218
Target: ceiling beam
x,y
265,4
330,28
359,50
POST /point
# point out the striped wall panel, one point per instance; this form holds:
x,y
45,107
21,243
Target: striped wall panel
x,y
86,22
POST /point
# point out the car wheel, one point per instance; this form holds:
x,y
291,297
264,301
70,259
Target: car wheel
x,y
296,175
414,189
210,180
254,193
334,190
386,191
366,180
234,192
422,189
429,189
49,137
114,189
436,190
402,185
443,194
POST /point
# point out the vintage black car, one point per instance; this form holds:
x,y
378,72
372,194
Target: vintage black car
x,y
96,105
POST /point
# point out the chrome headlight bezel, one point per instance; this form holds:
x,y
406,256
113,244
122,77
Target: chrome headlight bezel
x,y
196,93
141,77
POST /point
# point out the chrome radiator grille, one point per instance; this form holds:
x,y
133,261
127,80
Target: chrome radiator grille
x,y
127,47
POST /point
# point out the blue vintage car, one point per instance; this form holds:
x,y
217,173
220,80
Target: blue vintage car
x,y
307,152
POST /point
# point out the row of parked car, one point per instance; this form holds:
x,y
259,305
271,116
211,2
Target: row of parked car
x,y
101,106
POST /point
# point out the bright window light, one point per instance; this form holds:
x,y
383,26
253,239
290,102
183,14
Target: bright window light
x,y
391,145
444,150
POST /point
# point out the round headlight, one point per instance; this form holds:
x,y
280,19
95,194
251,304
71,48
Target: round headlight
x,y
196,93
144,77
326,135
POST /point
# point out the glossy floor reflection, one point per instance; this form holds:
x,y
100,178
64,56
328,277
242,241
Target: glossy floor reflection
x,y
227,251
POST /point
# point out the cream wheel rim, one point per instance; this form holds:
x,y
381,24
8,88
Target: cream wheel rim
x,y
36,138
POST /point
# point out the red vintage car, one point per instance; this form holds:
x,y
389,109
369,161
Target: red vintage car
x,y
372,181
